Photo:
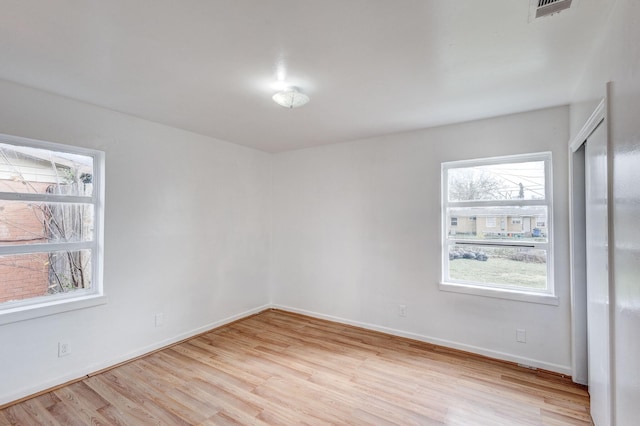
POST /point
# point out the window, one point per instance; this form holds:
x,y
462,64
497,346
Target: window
x,y
502,255
50,228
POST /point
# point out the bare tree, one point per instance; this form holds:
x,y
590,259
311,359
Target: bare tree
x,y
468,185
65,222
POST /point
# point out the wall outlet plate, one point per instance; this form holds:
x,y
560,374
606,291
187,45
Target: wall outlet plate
x,y
402,310
63,349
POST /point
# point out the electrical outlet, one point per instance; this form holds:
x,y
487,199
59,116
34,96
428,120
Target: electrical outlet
x,y
159,319
521,335
63,349
402,310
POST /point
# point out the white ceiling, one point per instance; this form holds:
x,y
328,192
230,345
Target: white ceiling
x,y
371,67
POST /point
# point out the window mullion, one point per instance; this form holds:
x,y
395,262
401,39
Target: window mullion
x,y
46,248
495,203
499,243
50,198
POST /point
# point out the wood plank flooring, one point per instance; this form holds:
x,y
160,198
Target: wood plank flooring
x,y
278,368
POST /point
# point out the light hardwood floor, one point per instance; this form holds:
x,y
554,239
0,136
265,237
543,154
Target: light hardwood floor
x,y
281,368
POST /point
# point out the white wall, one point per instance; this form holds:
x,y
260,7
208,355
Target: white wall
x,y
186,234
356,232
617,59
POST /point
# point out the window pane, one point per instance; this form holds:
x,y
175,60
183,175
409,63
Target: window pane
x,y
41,171
513,181
34,222
498,223
524,268
24,276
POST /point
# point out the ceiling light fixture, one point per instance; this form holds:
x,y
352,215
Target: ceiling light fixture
x,y
290,97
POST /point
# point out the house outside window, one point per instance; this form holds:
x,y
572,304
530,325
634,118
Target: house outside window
x,y
508,251
51,209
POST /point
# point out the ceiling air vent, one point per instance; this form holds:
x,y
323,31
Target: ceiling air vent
x,y
540,8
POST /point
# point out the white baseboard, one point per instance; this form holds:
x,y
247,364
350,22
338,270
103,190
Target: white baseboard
x,y
90,369
561,369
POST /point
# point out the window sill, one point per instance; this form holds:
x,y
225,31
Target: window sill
x,y
498,293
47,308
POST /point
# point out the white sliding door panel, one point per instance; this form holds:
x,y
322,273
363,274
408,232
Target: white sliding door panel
x,y
598,310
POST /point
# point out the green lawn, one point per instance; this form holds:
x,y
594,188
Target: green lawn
x,y
500,271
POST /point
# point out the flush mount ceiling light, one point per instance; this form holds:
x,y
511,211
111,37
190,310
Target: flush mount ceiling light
x,y
290,97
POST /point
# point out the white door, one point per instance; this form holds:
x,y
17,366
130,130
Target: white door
x,y
598,312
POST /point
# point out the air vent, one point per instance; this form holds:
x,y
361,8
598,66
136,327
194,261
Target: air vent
x,y
541,8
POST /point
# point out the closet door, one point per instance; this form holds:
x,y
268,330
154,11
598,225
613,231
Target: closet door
x,y
598,309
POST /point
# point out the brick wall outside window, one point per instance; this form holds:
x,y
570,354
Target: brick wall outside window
x,y
22,276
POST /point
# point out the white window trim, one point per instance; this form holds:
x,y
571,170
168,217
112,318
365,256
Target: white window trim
x,y
500,293
547,296
48,305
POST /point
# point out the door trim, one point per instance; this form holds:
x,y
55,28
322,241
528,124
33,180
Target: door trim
x,y
589,126
600,116
577,243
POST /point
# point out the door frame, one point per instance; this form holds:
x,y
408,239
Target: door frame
x,y
577,246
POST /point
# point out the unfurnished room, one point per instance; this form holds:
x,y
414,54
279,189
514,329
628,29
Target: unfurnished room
x,y
287,212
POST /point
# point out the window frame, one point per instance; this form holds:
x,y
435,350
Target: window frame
x,y
547,296
35,307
